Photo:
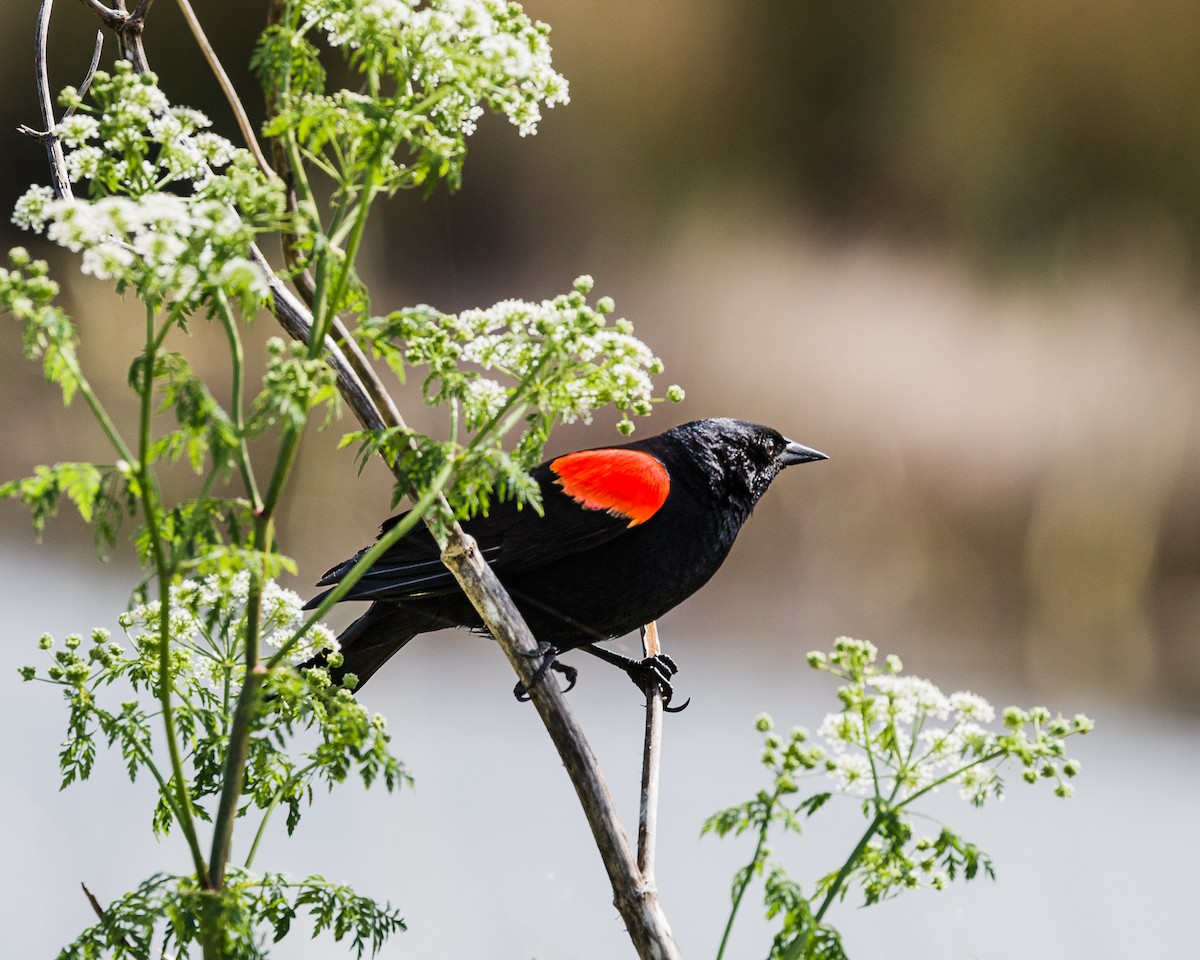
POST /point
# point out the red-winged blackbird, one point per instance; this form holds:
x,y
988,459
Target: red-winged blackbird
x,y
625,534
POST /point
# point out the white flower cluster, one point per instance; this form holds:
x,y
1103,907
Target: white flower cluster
x,y
283,615
170,245
208,618
162,219
913,732
456,53
561,352
897,736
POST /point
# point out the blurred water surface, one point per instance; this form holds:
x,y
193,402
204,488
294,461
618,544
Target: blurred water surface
x,y
489,857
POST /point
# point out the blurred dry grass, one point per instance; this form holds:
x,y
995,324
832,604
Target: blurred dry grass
x,y
953,246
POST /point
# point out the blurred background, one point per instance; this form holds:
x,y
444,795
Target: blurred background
x,y
956,247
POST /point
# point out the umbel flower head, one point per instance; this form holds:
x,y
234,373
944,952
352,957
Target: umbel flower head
x,y
171,208
897,736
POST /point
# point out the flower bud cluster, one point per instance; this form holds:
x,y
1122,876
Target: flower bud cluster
x,y
787,757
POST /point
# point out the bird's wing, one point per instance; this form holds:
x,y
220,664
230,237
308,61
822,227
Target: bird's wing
x,y
588,498
410,568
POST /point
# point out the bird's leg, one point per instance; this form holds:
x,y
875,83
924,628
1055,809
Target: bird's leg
x,y
549,654
657,669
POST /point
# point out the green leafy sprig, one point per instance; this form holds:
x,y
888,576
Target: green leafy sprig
x,y
207,622
166,916
896,739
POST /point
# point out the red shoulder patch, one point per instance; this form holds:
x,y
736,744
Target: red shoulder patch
x,y
626,483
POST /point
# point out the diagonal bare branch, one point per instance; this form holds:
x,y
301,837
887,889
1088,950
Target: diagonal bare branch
x,y
105,13
91,72
634,897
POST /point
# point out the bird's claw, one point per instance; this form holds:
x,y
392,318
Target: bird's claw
x,y
658,670
549,653
569,672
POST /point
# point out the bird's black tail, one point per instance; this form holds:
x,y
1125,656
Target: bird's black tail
x,y
368,643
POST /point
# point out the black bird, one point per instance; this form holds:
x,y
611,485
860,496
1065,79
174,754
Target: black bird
x,y
626,533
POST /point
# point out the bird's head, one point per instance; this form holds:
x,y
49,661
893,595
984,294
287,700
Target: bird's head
x,y
740,458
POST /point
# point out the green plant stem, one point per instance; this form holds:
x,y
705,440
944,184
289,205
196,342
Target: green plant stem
x,y
323,320
862,709
852,860
297,777
151,507
239,737
237,357
847,867
97,408
163,786
994,755
378,549
749,868
239,733
501,423
284,461
235,103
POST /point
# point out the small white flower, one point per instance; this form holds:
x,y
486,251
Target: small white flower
x,y
969,706
106,261
239,587
241,274
32,209
909,695
76,130
485,398
215,150
841,730
852,772
976,783
84,163
166,129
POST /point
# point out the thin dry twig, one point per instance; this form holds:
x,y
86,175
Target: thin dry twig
x,y
99,911
96,908
91,72
127,27
105,13
235,103
296,320
635,899
138,17
651,754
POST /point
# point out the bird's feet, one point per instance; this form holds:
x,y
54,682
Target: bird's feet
x,y
658,670
549,654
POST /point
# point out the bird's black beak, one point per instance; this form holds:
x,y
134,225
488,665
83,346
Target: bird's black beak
x,y
796,453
